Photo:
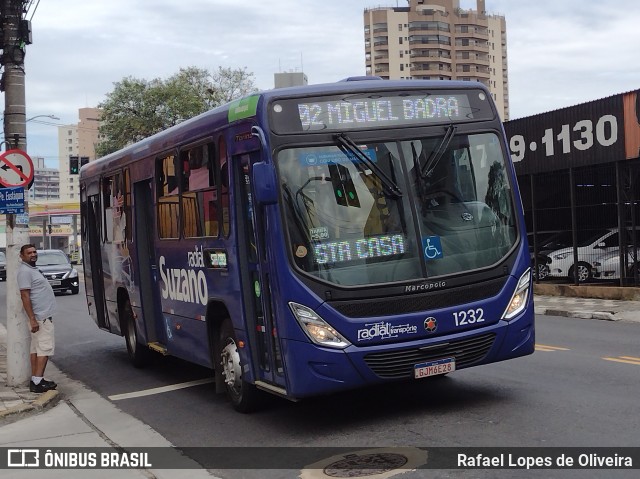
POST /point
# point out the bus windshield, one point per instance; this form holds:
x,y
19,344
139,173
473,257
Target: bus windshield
x,y
381,212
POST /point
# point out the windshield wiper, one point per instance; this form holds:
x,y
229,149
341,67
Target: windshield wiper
x,y
438,152
388,184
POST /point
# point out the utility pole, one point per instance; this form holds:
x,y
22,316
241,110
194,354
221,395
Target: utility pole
x,y
15,134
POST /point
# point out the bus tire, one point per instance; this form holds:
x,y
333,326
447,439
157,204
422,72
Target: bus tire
x,y
244,396
138,354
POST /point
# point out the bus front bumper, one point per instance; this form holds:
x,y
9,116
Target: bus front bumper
x,y
317,371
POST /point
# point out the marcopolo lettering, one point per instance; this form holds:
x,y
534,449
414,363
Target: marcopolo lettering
x,y
424,286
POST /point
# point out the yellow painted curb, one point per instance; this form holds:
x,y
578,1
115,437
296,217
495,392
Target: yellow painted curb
x,y
16,410
45,399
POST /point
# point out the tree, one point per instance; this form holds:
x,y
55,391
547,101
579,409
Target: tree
x,y
136,108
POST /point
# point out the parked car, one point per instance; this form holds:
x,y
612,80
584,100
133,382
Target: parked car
x,y
3,266
547,242
608,265
590,249
543,267
57,268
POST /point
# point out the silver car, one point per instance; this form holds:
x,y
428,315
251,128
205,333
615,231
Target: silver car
x,y
608,266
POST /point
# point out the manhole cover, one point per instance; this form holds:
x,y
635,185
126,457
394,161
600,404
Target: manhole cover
x,y
355,465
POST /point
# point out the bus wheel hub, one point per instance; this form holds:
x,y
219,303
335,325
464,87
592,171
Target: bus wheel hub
x,y
231,364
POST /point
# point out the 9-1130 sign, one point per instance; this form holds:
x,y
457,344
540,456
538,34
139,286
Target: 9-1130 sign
x,y
600,131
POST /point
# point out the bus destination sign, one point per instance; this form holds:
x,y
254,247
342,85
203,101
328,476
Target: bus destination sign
x,y
379,111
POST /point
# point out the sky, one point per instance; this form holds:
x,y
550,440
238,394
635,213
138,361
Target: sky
x,y
560,52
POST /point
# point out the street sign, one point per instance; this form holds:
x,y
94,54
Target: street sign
x,y
16,169
22,219
61,220
11,200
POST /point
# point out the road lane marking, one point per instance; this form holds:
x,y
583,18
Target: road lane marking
x,y
543,347
625,359
160,390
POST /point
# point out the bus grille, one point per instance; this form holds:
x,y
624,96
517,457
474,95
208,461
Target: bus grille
x,y
404,304
399,364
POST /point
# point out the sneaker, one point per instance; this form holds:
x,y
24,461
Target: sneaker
x,y
49,384
40,388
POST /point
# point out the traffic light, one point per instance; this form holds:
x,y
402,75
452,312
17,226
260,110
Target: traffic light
x,y
343,187
74,165
83,161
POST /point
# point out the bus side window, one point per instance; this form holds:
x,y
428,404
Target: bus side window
x,y
167,193
107,209
200,195
114,218
127,205
224,185
198,167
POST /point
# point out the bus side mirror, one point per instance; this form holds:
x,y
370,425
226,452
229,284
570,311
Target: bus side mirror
x,y
264,183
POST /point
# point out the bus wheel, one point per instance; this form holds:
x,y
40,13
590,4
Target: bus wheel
x,y
138,354
243,395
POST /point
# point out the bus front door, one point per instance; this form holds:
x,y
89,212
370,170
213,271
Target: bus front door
x,y
266,351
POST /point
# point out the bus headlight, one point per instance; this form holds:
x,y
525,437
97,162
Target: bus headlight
x,y
316,328
520,296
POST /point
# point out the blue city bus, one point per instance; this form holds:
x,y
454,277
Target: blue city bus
x,y
309,240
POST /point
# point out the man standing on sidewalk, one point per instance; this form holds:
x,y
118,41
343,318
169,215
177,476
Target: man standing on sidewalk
x,y
39,304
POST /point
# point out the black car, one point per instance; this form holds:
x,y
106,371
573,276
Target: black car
x,y
56,267
3,266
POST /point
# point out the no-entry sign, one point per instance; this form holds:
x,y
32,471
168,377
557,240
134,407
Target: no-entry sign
x,y
16,169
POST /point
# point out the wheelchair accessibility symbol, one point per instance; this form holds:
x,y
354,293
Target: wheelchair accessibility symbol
x,y
432,247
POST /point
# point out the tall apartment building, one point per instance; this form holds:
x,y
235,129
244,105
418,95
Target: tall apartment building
x,y
76,140
437,40
46,182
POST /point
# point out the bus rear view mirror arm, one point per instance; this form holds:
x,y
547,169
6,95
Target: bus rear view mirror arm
x,y
263,175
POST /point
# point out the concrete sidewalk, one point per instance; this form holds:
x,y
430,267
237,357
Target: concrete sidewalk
x,y
74,416
587,308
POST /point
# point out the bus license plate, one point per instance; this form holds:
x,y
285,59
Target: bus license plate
x,y
434,368
55,282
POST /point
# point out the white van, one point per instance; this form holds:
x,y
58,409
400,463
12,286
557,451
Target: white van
x,y
592,249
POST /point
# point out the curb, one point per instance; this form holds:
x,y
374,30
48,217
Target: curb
x,y
47,399
600,315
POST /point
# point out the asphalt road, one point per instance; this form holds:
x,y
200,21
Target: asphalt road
x,y
575,391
